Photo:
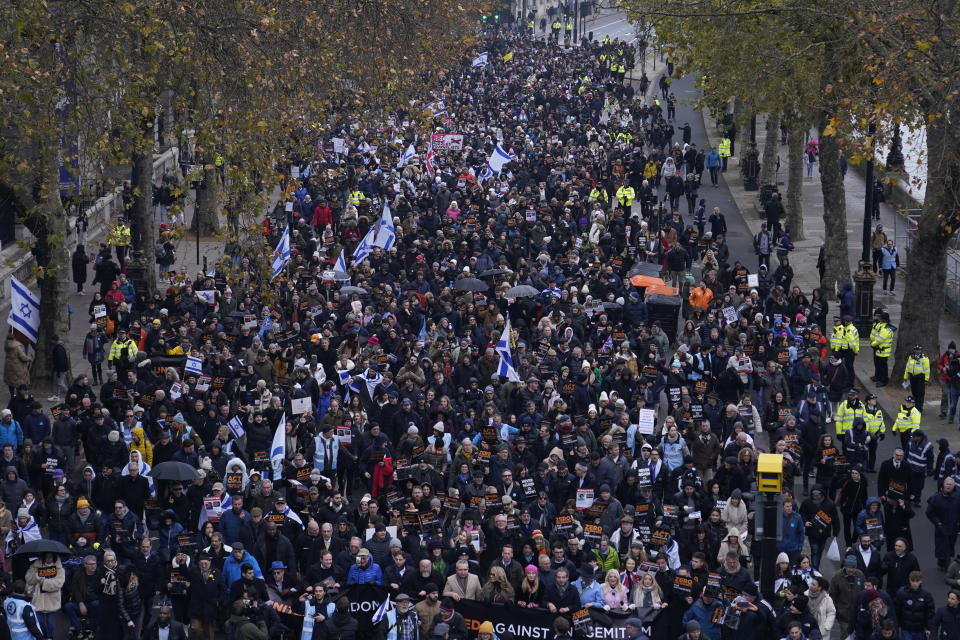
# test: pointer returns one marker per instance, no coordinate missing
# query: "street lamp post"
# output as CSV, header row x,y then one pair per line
x,y
864,278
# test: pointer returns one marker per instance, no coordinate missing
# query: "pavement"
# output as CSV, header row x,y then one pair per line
x,y
743,221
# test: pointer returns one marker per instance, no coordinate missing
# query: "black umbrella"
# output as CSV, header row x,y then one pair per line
x,y
494,272
522,291
357,290
470,284
172,470
42,546
612,305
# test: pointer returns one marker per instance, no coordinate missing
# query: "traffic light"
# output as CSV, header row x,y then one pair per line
x,y
496,17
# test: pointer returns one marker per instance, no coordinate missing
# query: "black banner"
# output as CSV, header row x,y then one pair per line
x,y
508,621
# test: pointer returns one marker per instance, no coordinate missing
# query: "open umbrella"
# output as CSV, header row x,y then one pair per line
x,y
42,546
348,290
335,274
522,291
173,470
470,284
641,280
494,272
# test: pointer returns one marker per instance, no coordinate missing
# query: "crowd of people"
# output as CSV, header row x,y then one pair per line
x,y
612,466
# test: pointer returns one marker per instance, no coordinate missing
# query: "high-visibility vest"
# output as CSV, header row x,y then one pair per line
x,y
724,148
569,27
556,25
908,420
845,416
881,339
598,194
838,338
355,197
917,367
852,337
874,420
530,25
15,609
625,195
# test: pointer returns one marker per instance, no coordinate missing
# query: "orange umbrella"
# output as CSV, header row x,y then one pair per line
x,y
663,289
640,280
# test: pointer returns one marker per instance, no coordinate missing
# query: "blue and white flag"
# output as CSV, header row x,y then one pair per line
x,y
365,248
278,449
381,611
236,426
194,364
485,174
422,336
506,368
407,155
281,254
498,159
293,515
209,296
267,326
480,60
24,310
341,264
372,382
386,232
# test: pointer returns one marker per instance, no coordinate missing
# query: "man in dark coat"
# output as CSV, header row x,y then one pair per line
x,y
943,510
897,565
561,596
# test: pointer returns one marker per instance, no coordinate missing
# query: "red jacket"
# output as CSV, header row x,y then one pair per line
x,y
322,216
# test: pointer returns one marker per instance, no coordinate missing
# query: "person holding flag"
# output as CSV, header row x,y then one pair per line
x,y
281,254
506,368
278,448
386,235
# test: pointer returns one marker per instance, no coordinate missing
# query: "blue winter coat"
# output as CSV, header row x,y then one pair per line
x,y
792,540
848,300
705,615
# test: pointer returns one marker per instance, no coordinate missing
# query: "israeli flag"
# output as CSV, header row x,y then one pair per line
x,y
506,368
293,515
208,295
407,155
341,264
498,159
485,174
365,248
24,310
278,449
480,60
381,611
422,336
281,254
386,232
236,426
372,382
194,364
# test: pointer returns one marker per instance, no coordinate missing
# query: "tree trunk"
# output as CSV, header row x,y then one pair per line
x,y
836,252
207,211
768,165
926,262
144,254
795,181
47,221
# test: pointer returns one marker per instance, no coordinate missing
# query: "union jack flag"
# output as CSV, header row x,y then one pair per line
x,y
431,160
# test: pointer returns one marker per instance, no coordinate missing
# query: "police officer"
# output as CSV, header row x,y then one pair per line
x,y
847,411
917,371
873,416
625,196
724,150
852,338
838,339
908,421
21,618
881,339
